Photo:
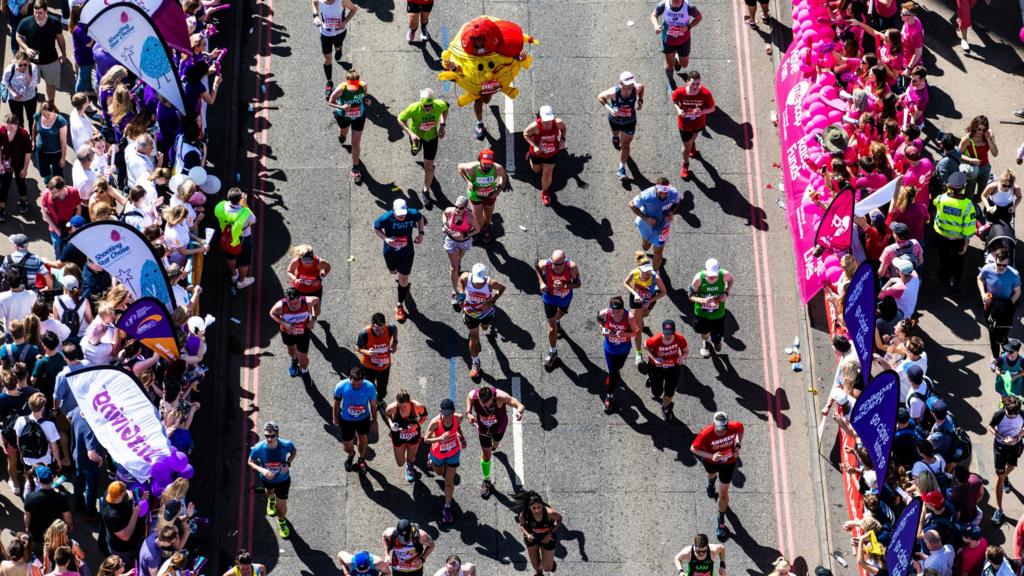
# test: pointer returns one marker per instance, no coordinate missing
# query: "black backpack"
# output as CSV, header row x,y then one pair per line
x,y
19,267
11,418
69,316
962,447
32,441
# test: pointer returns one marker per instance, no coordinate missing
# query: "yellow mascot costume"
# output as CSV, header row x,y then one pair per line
x,y
485,57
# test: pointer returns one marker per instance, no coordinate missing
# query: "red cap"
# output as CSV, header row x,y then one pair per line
x,y
487,154
933,499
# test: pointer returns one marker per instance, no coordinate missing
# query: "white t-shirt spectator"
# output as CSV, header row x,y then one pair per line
x,y
140,168
65,302
49,428
902,368
16,305
936,467
176,237
51,325
81,129
915,405
83,179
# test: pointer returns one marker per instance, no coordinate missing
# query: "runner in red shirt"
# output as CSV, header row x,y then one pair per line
x,y
546,137
666,353
718,446
693,103
306,271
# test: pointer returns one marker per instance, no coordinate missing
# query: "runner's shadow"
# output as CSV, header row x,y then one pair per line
x,y
761,555
380,114
509,331
440,337
517,482
720,122
730,199
591,378
636,177
487,541
316,561
382,9
751,396
339,357
433,61
685,209
519,272
571,536
398,501
569,167
581,224
385,193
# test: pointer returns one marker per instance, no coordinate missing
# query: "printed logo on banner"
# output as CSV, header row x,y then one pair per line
x,y
874,418
859,314
901,549
123,32
148,321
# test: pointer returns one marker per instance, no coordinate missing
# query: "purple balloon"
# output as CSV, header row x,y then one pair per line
x,y
178,461
188,472
160,468
143,508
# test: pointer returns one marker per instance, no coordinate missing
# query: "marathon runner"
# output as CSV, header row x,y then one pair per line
x,y
419,16
546,137
708,292
362,563
693,103
444,435
407,417
558,277
460,226
479,295
394,227
406,548
296,314
375,345
349,102
680,18
453,566
718,447
306,271
539,524
618,327
655,208
424,122
485,408
645,288
666,353
272,459
332,18
699,559
485,180
355,412
623,101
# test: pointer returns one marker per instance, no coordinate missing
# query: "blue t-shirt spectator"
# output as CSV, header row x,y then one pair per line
x,y
1000,284
355,402
273,459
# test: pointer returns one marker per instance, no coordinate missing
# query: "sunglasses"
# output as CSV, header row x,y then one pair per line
x,y
270,436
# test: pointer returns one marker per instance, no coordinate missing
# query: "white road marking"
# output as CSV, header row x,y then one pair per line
x,y
423,386
510,142
517,435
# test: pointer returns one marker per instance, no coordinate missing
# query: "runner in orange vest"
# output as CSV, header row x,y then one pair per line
x,y
375,345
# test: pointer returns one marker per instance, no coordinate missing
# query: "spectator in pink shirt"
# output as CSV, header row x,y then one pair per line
x,y
913,214
916,98
903,288
903,247
917,172
912,35
869,179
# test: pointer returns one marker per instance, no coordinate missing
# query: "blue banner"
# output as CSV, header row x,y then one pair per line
x,y
859,315
874,418
901,549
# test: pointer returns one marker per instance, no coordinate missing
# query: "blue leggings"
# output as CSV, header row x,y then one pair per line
x,y
614,362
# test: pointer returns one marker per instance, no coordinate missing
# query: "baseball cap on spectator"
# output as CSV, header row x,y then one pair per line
x,y
115,491
933,499
876,217
1012,345
903,265
400,207
69,282
902,415
899,229
972,532
43,473
76,222
915,374
172,509
939,409
447,407
840,396
19,240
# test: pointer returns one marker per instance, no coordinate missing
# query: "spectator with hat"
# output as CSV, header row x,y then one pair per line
x,y
940,517
120,523
905,439
941,434
1009,369
904,287
971,557
955,223
903,246
45,505
29,266
876,235
1000,289
921,392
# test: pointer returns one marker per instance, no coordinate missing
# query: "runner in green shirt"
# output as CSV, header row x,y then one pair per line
x,y
485,180
424,122
708,292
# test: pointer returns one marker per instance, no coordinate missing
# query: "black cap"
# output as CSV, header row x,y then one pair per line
x,y
172,509
1012,345
902,415
668,325
447,407
404,528
616,304
939,409
915,373
899,228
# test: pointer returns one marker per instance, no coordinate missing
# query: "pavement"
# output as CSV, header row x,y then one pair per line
x,y
631,493
985,81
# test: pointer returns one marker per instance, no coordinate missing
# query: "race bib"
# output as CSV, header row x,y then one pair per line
x,y
427,126
663,235
409,433
676,31
356,410
624,112
332,24
710,305
488,421
548,147
306,281
353,112
399,242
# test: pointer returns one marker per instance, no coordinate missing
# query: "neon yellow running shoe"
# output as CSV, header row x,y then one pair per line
x,y
271,506
282,528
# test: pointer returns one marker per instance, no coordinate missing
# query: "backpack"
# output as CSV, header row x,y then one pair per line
x,y
907,253
11,418
8,360
226,245
70,318
19,266
32,441
962,447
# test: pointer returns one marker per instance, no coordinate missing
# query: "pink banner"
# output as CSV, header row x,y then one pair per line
x,y
835,233
790,88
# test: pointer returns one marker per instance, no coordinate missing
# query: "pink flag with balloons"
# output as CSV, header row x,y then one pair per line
x,y
807,103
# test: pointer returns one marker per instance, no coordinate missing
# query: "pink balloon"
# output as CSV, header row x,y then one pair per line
x,y
829,92
816,109
830,261
1021,34
832,275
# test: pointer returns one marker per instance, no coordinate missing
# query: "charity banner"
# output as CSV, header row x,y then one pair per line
x,y
874,419
167,15
790,88
129,34
835,231
900,553
859,314
878,198
149,322
124,253
123,419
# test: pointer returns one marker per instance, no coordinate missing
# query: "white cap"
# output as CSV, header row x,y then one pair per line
x,y
547,113
198,175
647,267
69,282
839,396
426,94
711,267
400,207
196,325
627,78
479,272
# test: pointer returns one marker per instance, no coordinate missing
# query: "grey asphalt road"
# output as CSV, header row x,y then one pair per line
x,y
631,493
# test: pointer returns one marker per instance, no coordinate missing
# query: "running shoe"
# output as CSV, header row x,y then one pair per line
x,y
357,176
615,142
609,404
750,22
328,88
639,358
718,345
283,529
446,515
666,412
721,532
621,172
694,153
410,474
362,466
415,146
550,359
349,462
428,202
474,371
478,132
965,46
1007,488
307,379
997,517
424,35
271,506
337,56
545,198
455,299
710,491
765,18
485,490
342,136
293,368
246,282
410,35
677,64
1018,113
684,172
705,351
400,313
